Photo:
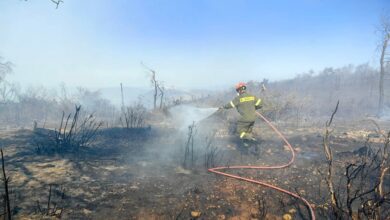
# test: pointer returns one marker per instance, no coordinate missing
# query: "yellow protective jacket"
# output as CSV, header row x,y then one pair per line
x,y
246,104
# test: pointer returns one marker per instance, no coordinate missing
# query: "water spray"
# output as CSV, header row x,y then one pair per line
x,y
186,114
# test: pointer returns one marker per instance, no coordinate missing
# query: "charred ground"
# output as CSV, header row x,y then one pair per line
x,y
133,174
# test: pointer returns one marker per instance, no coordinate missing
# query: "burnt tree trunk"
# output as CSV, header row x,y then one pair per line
x,y
382,76
154,81
7,206
161,88
123,100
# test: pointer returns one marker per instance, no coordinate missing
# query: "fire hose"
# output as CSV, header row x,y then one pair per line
x,y
219,170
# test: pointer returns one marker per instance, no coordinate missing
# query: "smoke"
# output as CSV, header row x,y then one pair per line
x,y
165,151
184,115
386,114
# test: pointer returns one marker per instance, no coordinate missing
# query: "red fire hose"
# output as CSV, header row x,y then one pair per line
x,y
219,170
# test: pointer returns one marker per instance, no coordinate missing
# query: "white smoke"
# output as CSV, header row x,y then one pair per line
x,y
386,114
184,115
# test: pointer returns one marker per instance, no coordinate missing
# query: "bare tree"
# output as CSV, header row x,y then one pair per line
x,y
7,205
154,84
189,146
329,176
385,32
123,101
133,116
5,68
159,88
7,90
356,191
57,3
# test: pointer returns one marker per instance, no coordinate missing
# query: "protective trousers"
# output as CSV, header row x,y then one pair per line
x,y
244,129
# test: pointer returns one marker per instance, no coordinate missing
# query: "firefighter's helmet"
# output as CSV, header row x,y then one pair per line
x,y
240,86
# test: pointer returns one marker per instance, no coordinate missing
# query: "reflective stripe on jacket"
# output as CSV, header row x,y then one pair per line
x,y
246,104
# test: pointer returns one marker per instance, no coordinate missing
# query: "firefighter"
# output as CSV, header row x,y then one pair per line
x,y
246,104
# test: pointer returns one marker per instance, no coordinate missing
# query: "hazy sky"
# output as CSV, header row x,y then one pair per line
x,y
190,43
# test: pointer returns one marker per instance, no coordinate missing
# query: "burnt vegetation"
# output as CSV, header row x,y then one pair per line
x,y
356,184
76,151
75,155
73,133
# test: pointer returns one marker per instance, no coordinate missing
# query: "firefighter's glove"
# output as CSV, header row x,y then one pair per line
x,y
258,107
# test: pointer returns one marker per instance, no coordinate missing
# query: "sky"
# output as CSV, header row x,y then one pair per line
x,y
189,43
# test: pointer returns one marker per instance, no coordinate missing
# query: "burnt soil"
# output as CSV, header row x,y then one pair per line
x,y
127,174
